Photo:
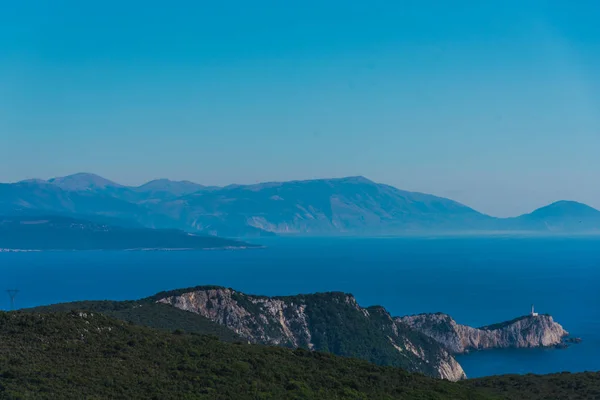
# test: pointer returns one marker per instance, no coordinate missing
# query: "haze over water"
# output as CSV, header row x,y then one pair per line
x,y
478,281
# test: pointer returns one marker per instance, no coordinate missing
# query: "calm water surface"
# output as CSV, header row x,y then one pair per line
x,y
478,281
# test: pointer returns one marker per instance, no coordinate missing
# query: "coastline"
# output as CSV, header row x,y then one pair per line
x,y
2,250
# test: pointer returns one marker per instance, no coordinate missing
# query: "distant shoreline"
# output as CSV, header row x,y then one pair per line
x,y
132,250
19,251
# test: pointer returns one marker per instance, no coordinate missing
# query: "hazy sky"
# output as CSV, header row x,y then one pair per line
x,y
496,106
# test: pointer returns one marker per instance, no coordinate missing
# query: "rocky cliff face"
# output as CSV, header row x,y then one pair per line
x,y
527,331
332,322
258,319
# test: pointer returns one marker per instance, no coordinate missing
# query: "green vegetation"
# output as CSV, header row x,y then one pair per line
x,y
340,327
151,314
504,324
77,355
336,326
441,325
564,386
179,292
86,355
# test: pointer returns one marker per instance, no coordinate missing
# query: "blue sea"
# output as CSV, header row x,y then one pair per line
x,y
478,281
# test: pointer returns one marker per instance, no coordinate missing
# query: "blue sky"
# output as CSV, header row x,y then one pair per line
x,y
494,104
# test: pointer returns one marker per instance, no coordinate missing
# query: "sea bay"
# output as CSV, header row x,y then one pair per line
x,y
477,280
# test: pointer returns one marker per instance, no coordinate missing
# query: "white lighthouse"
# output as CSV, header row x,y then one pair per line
x,y
533,313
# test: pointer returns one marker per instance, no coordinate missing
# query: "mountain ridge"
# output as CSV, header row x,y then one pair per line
x,y
177,188
339,206
83,181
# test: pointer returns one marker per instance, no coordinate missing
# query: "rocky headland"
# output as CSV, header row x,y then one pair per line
x,y
523,332
336,323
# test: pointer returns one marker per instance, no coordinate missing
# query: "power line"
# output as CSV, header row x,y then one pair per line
x,y
12,293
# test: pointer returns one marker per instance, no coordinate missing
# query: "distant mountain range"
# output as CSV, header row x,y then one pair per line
x,y
353,206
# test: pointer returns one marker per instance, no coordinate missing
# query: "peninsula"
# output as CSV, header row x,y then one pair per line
x,y
533,330
40,233
331,322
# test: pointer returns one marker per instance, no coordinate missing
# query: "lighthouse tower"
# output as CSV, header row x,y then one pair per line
x,y
533,313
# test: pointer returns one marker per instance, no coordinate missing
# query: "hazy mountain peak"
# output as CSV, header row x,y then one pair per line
x,y
330,181
178,188
562,216
345,179
566,207
34,181
354,179
83,181
165,181
568,203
